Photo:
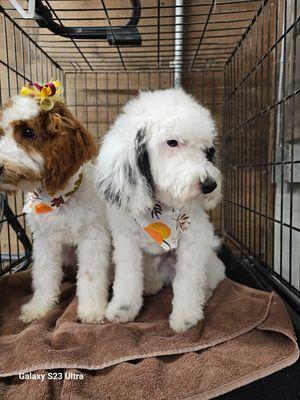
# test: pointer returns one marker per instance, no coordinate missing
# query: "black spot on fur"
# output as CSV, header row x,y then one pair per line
x,y
129,173
109,194
142,159
113,197
210,154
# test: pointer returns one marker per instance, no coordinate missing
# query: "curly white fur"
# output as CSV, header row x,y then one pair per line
x,y
80,222
136,167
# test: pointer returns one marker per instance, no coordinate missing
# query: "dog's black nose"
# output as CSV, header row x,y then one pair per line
x,y
1,169
208,185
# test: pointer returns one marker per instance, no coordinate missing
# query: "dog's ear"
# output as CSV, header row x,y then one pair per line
x,y
123,173
71,146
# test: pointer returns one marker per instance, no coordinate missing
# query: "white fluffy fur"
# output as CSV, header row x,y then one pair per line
x,y
80,222
177,175
22,108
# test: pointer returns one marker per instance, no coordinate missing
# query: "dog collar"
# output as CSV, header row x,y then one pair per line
x,y
164,225
41,202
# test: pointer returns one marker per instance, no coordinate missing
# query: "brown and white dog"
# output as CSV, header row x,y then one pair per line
x,y
49,153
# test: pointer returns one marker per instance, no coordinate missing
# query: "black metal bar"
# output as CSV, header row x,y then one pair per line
x,y
163,6
259,176
72,39
2,11
264,2
22,61
203,32
129,32
97,109
292,141
17,227
113,34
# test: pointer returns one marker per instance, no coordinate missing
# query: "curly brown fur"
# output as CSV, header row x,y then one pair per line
x,y
61,140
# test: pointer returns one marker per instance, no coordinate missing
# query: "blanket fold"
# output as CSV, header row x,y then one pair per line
x,y
246,335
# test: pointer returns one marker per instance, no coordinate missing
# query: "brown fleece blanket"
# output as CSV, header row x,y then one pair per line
x,y
246,335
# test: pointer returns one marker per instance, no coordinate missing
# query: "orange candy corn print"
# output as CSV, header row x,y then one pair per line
x,y
42,202
159,232
164,225
42,208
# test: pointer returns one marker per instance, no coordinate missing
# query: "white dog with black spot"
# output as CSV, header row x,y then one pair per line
x,y
157,173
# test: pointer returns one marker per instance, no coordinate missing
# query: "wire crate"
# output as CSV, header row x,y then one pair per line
x,y
239,58
261,145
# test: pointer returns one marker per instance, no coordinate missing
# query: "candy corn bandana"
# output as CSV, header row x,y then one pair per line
x,y
41,202
164,226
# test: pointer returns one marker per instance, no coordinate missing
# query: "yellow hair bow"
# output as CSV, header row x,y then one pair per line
x,y
47,94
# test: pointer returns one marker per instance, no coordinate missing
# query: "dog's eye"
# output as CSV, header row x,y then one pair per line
x,y
28,133
172,143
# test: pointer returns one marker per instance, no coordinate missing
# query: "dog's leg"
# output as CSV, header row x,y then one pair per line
x,y
153,280
215,274
92,279
128,285
190,282
46,275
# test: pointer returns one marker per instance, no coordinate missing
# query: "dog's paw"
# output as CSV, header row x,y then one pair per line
x,y
184,320
122,312
34,310
91,315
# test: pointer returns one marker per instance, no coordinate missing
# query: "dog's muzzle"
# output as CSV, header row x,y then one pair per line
x,y
208,185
